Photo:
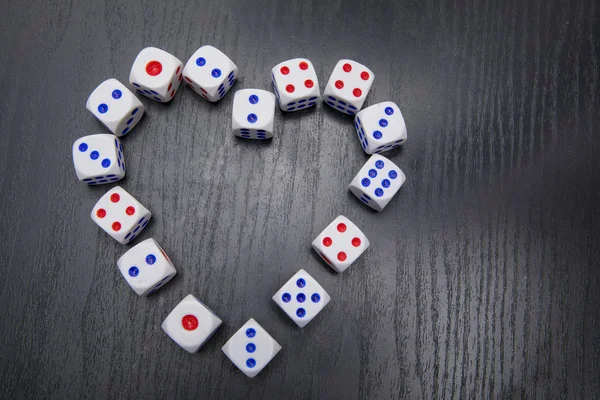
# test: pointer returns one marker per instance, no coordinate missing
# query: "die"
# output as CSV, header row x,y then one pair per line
x,y
296,84
380,127
302,298
191,324
98,159
340,244
210,73
253,114
115,106
377,182
251,348
156,74
146,267
120,215
348,86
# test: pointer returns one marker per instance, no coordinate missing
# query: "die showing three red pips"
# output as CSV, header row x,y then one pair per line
x,y
156,74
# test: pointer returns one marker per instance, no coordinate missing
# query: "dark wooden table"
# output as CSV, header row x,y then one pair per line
x,y
483,277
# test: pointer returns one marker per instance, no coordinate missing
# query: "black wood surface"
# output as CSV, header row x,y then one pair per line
x,y
482,280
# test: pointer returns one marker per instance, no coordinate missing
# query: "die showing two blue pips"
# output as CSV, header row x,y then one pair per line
x,y
210,73
115,106
253,114
146,267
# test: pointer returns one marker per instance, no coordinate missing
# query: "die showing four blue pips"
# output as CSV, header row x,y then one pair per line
x,y
156,74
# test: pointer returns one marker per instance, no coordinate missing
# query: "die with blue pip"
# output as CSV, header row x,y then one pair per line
x,y
210,73
146,267
377,182
253,114
301,298
251,348
380,127
99,159
115,106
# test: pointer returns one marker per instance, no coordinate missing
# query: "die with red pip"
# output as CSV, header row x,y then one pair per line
x,y
253,114
341,243
348,86
295,84
120,215
156,74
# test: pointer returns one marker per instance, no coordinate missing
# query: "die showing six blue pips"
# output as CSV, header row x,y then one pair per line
x,y
157,74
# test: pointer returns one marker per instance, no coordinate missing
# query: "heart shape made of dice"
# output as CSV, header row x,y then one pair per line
x,y
157,75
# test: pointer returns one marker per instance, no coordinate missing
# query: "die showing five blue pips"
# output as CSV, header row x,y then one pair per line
x,y
301,298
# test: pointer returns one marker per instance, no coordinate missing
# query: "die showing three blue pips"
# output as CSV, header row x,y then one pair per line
x,y
156,74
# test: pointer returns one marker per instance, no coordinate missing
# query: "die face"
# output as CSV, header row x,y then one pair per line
x,y
253,114
341,243
120,215
210,73
296,84
146,267
377,182
191,324
302,298
156,74
380,127
348,86
98,159
251,348
115,106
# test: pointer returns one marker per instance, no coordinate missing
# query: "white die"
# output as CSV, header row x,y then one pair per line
x,y
377,182
341,243
210,73
156,74
253,114
120,215
296,84
348,86
380,127
191,324
302,298
115,106
146,267
251,348
98,159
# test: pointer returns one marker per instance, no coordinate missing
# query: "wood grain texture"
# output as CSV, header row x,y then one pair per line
x,y
483,279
